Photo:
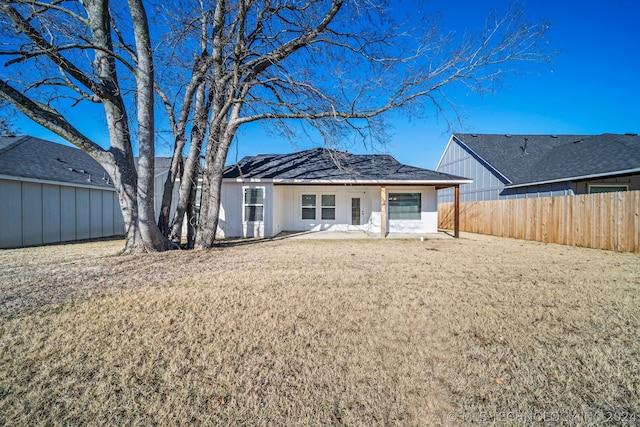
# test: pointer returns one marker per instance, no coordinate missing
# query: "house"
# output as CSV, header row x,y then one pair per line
x,y
322,189
53,193
524,166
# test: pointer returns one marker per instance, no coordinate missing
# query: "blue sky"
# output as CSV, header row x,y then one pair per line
x,y
591,87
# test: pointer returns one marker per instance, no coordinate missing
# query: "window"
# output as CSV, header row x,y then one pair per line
x,y
253,204
328,206
607,188
308,206
404,206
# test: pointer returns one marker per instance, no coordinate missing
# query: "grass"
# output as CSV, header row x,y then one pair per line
x,y
312,332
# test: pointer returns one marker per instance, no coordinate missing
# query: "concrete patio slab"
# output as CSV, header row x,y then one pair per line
x,y
334,235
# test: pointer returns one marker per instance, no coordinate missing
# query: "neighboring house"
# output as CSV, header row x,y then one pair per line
x,y
321,189
524,166
53,193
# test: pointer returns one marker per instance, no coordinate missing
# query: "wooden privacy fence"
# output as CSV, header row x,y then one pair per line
x,y
602,221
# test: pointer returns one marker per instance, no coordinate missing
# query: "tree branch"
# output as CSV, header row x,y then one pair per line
x,y
51,119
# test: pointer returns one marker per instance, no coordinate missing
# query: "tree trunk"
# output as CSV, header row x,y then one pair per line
x,y
211,191
151,236
189,179
176,170
192,218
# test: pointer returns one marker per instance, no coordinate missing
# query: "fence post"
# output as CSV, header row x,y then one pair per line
x,y
456,212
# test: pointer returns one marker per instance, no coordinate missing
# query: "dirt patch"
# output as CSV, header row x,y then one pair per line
x,y
357,332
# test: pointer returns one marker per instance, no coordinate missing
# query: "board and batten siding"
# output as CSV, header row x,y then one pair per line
x,y
458,160
488,184
36,213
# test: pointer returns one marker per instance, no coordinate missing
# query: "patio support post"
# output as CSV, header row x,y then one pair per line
x,y
456,212
383,211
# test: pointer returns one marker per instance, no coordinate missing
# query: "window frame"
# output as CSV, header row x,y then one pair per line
x,y
245,205
625,186
390,213
327,207
308,207
319,206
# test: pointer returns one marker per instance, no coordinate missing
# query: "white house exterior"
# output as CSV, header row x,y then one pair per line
x,y
320,189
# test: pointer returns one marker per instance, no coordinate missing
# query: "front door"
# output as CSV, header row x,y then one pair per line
x,y
357,213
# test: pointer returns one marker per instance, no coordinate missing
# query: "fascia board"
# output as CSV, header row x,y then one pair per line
x,y
50,182
350,182
461,142
575,178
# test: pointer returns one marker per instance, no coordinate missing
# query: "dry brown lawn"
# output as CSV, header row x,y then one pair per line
x,y
321,332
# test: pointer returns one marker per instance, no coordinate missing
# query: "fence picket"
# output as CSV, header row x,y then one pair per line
x,y
605,220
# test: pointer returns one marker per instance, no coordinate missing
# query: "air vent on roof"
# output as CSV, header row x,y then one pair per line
x,y
78,170
554,136
524,147
508,136
474,135
578,141
631,134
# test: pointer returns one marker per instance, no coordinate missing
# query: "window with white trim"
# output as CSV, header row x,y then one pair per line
x,y
609,188
404,206
308,206
328,206
254,204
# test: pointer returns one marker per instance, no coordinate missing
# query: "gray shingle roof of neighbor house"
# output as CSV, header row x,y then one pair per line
x,y
320,165
535,159
33,158
161,164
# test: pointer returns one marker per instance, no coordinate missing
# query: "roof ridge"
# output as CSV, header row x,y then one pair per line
x,y
19,141
540,158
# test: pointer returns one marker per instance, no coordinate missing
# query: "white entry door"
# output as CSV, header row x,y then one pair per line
x,y
356,217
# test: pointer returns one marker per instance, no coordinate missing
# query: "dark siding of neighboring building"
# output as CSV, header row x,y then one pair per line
x,y
632,181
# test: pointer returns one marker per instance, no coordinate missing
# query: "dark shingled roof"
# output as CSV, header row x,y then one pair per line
x,y
322,165
163,164
34,158
552,158
160,164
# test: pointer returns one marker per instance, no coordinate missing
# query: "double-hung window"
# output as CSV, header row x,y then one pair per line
x,y
253,204
328,206
404,206
308,206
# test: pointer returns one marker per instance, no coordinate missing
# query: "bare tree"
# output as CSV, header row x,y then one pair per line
x,y
7,127
62,54
337,66
186,121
